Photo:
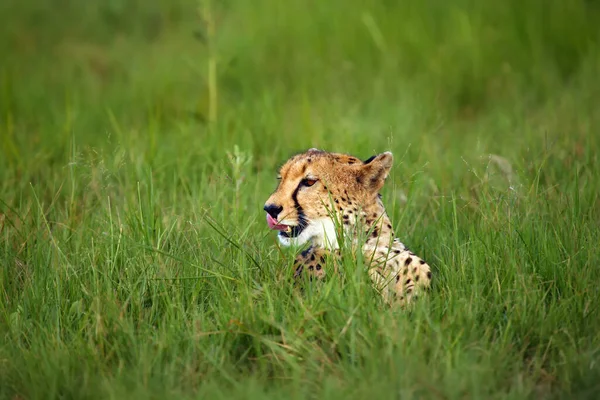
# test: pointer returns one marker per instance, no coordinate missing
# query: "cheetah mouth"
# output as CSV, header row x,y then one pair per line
x,y
286,231
292,231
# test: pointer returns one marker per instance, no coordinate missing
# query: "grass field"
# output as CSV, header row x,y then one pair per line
x,y
140,139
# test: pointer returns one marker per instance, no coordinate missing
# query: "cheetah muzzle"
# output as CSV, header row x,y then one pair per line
x,y
318,191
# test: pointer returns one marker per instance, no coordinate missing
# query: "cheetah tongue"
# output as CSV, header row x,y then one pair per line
x,y
272,222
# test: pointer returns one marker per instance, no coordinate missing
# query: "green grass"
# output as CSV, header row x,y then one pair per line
x,y
135,259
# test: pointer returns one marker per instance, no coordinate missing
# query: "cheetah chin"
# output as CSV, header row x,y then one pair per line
x,y
320,232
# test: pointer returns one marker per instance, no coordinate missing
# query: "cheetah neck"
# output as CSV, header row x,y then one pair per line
x,y
372,221
380,231
370,225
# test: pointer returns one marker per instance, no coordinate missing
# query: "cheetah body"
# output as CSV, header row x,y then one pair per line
x,y
319,192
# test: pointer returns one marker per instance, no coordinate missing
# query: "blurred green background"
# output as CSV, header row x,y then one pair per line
x,y
140,139
334,74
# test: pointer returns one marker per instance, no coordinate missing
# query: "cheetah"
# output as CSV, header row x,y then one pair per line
x,y
318,192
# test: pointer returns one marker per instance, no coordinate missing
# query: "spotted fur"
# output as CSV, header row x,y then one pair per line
x,y
317,187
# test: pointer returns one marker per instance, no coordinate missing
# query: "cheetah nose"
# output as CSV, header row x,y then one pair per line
x,y
273,210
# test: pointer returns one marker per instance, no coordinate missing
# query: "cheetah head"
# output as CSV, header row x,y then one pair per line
x,y
315,183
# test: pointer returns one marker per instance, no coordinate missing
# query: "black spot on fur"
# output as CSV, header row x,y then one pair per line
x,y
312,257
429,274
397,278
417,278
397,251
310,267
305,252
407,281
375,233
422,262
319,267
359,180
407,261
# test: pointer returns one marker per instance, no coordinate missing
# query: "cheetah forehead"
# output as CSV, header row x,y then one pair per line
x,y
317,161
337,172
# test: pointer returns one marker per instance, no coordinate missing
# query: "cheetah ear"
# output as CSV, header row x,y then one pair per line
x,y
375,170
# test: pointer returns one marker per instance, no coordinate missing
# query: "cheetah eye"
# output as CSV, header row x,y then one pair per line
x,y
308,182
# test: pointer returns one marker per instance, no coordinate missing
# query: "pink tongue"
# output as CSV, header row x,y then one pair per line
x,y
272,222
